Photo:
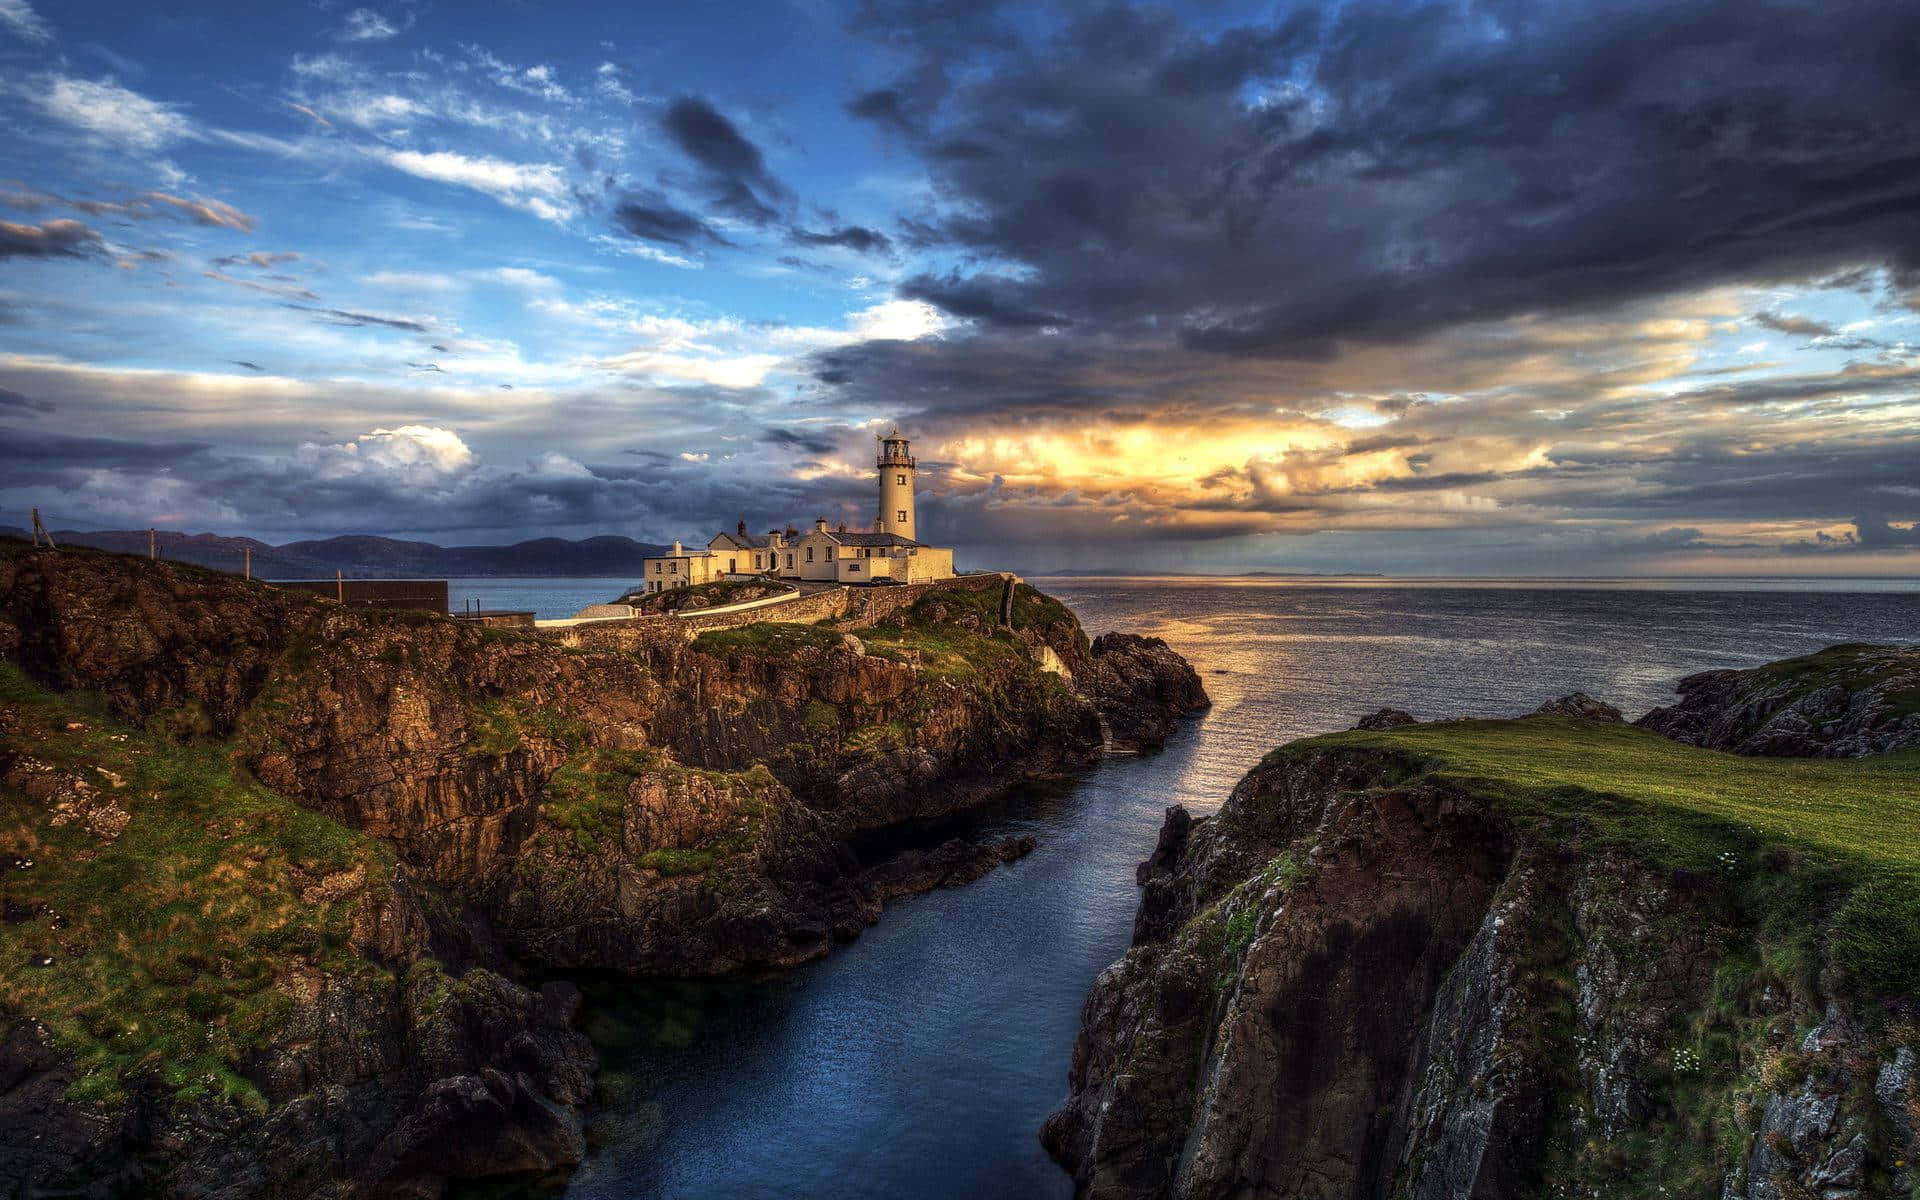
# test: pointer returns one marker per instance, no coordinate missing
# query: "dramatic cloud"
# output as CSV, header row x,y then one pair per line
x,y
1374,172
419,455
847,237
790,440
653,219
13,400
1799,326
50,239
737,178
1391,287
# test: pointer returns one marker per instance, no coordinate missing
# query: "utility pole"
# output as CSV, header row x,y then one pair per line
x,y
339,586
151,553
248,551
40,531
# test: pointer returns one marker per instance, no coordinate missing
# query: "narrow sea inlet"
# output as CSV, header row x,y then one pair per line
x,y
922,1059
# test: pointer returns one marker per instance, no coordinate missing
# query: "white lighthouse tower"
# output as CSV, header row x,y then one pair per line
x,y
896,487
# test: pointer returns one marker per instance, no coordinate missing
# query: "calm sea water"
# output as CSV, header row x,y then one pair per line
x,y
921,1060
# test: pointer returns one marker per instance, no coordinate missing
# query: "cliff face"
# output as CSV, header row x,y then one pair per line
x,y
204,979
494,801
1472,960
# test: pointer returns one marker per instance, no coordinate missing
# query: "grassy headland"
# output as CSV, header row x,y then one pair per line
x,y
156,910
1810,835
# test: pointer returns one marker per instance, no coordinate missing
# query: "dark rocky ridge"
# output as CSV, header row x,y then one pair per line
x,y
1844,702
1358,979
675,806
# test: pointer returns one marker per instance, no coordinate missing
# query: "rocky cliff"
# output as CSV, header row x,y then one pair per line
x,y
285,862
1844,702
1550,956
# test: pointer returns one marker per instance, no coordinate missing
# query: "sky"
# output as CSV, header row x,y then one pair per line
x,y
1607,288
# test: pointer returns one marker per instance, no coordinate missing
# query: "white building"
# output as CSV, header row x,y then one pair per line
x,y
889,552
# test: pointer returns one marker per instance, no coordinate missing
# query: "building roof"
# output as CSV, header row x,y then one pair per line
x,y
746,541
871,539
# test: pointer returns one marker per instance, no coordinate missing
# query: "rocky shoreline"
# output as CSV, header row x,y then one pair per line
x,y
403,815
1462,960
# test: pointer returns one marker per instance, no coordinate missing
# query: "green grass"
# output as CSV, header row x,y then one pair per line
x,y
587,795
167,942
495,729
678,862
1855,665
1864,810
1849,829
765,637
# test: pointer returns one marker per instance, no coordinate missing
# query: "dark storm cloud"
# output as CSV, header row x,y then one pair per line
x,y
651,218
789,439
50,239
848,237
1876,530
989,301
662,498
10,399
1372,172
883,106
736,175
34,455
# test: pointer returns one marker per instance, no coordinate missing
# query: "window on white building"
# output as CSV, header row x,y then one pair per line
x,y
809,553
900,479
901,516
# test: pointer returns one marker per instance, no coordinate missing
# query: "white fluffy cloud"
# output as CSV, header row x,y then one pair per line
x,y
411,455
538,188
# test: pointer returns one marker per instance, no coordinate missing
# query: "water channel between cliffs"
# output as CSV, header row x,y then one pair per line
x,y
921,1059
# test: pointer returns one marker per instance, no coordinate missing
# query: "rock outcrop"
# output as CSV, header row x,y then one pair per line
x,y
1580,706
1369,976
651,802
1844,702
1386,718
1141,685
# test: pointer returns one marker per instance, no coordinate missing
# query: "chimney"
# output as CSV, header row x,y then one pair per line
x,y
676,548
743,528
820,524
843,527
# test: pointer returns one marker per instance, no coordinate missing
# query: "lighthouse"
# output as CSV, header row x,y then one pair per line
x,y
889,553
896,487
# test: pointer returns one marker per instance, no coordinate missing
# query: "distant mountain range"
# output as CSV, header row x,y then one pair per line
x,y
366,557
